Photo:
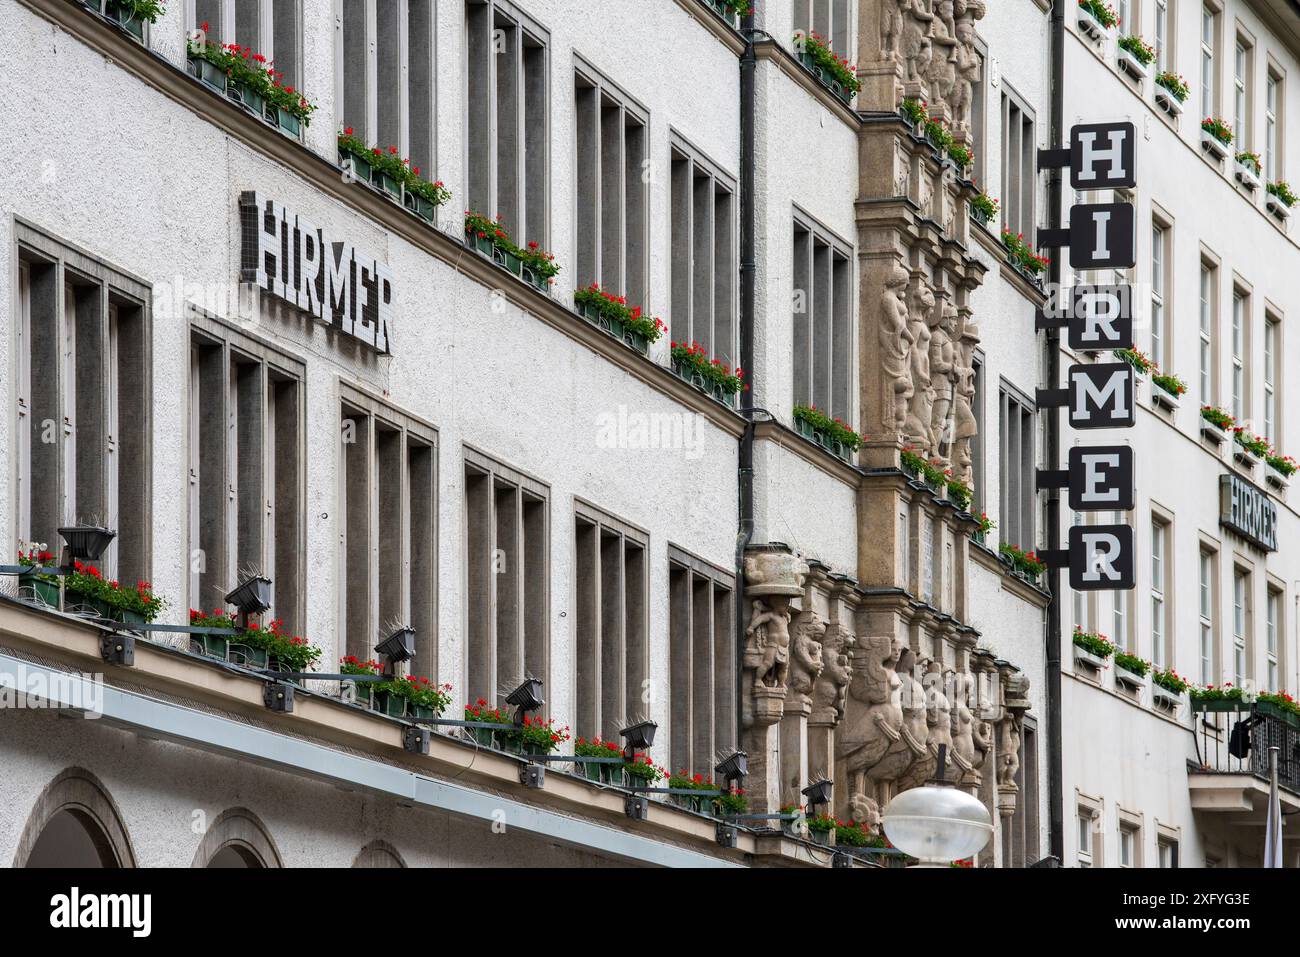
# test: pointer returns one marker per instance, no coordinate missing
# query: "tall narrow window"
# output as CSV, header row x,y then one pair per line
x,y
387,510
1207,327
702,663
1019,169
1160,637
508,133
84,445
1208,582
1159,264
507,538
826,18
384,75
1273,128
1241,125
1080,598
1241,625
1272,376
822,321
611,613
1240,344
1273,638
272,28
1163,59
613,190
1019,498
1209,88
246,476
702,253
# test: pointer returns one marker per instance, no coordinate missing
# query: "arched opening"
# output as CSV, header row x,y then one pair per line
x,y
74,823
378,854
72,838
233,855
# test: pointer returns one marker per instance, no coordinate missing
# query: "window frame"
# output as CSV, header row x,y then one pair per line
x,y
837,397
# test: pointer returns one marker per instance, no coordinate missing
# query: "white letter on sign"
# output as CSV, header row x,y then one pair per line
x,y
1102,549
1093,477
1114,391
1101,221
1099,311
1113,156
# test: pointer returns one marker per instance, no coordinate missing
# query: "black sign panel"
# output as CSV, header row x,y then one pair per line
x,y
1103,156
1102,236
1101,396
1247,510
1101,478
1102,558
1099,318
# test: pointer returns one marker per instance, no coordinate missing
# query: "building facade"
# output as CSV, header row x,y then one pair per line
x,y
247,350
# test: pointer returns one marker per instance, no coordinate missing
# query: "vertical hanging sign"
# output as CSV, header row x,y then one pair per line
x,y
1101,156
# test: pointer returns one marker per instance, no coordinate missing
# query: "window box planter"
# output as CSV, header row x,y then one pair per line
x,y
126,18
1091,662
358,166
822,439
1271,709
1089,25
40,589
387,184
1131,65
1165,699
422,206
618,330
288,123
208,73
1276,479
393,705
710,388
1129,679
825,78
248,656
1276,207
724,11
247,97
1164,398
979,216
1214,146
211,646
1246,175
1167,101
1219,704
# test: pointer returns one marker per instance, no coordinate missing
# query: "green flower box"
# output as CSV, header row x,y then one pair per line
x,y
979,216
288,123
422,206
358,166
1220,704
710,388
390,704
480,244
360,693
386,184
823,439
614,327
1272,710
593,772
248,656
46,591
211,646
249,98
533,278
209,74
725,12
612,774
483,737
126,19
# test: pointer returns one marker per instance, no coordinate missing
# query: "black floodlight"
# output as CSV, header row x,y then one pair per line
x,y
415,739
636,807
399,646
87,542
532,776
117,649
734,767
278,696
727,835
252,596
527,697
640,736
818,793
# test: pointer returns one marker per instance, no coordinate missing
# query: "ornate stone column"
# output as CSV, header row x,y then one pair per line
x,y
773,577
830,693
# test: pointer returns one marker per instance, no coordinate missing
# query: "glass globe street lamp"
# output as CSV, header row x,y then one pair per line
x,y
937,823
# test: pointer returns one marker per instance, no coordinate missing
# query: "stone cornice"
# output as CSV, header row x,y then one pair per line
x,y
325,177
793,442
773,52
710,20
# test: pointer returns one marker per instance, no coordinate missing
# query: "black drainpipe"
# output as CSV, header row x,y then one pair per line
x,y
1055,778
748,266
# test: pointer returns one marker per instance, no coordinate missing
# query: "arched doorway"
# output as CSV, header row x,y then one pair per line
x,y
74,824
235,855
237,838
378,854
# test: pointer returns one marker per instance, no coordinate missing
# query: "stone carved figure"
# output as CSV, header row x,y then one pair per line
x,y
914,732
965,753
943,355
916,39
831,690
921,404
965,427
968,63
982,734
768,636
869,731
891,28
865,812
895,349
938,726
943,52
1008,753
806,653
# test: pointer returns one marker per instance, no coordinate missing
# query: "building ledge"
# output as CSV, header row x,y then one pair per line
x,y
1240,793
775,53
327,179
989,559
791,441
710,20
212,706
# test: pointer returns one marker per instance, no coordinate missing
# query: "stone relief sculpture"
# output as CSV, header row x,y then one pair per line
x,y
938,726
865,812
806,653
943,355
830,693
965,427
891,27
1009,753
768,639
968,66
943,47
895,348
921,404
916,38
870,731
933,43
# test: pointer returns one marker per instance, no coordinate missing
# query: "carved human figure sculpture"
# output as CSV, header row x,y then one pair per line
x,y
806,653
921,404
768,637
916,39
943,355
896,341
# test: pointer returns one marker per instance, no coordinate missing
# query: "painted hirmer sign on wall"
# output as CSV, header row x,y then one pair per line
x,y
1248,511
291,259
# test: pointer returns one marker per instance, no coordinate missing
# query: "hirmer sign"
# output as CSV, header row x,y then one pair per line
x,y
288,257
1248,511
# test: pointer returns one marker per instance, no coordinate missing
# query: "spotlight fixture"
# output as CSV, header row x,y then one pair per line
x,y
734,767
527,697
278,696
252,596
818,793
117,649
87,542
399,646
640,736
727,835
532,776
636,807
415,739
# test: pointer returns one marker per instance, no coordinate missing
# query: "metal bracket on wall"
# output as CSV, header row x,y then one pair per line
x,y
117,649
278,696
